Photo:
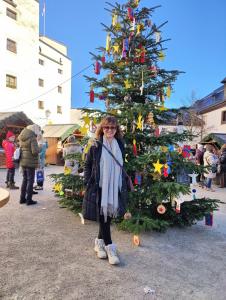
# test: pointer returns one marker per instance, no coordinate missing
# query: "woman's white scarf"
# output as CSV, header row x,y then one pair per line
x,y
110,178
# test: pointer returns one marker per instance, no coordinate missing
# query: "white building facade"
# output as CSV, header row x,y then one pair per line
x,y
35,71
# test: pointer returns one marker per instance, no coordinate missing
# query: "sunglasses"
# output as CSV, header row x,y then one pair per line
x,y
109,127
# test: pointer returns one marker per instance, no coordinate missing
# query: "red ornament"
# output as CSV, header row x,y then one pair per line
x,y
157,132
130,14
97,68
165,172
161,209
177,209
135,149
153,70
91,96
142,55
103,60
186,151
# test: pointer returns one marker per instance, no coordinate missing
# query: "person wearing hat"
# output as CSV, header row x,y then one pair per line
x,y
9,148
71,147
29,161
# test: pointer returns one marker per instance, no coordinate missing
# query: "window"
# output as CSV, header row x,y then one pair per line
x,y
40,104
11,81
41,82
11,45
60,71
59,89
223,117
10,13
41,62
59,109
10,2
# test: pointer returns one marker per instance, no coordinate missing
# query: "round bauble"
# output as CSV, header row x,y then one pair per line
x,y
127,216
161,209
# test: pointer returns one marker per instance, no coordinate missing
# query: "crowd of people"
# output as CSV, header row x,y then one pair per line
x,y
32,150
214,161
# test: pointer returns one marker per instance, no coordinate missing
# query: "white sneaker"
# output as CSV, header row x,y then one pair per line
x,y
100,248
112,254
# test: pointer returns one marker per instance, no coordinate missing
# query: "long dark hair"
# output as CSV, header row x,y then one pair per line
x,y
109,120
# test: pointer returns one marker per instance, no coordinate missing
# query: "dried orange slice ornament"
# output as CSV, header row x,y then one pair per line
x,y
136,240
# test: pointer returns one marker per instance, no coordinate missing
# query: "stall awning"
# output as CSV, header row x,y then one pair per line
x,y
61,131
215,138
14,120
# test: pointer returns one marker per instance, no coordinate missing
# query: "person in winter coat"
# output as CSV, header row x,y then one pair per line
x,y
211,161
42,155
9,148
199,159
106,187
28,161
222,161
71,147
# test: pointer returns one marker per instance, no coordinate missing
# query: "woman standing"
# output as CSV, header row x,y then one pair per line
x,y
106,188
210,160
223,166
28,161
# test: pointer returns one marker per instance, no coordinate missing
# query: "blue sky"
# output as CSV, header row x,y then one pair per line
x,y
197,29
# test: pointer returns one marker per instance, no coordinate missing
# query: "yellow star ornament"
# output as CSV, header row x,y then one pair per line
x,y
86,120
84,130
139,122
128,85
158,166
116,48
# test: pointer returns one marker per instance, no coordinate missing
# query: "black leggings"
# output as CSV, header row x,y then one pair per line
x,y
105,230
104,227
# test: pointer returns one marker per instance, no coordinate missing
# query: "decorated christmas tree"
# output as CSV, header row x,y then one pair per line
x,y
129,79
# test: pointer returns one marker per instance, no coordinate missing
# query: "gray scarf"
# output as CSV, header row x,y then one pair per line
x,y
110,178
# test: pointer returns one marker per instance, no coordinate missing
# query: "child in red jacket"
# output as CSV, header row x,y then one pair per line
x,y
9,148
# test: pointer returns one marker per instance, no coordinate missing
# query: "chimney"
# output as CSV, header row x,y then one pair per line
x,y
224,82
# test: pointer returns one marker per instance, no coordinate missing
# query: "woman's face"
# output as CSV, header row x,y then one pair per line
x,y
109,130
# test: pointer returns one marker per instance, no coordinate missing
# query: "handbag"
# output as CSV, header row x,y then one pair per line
x,y
17,154
128,178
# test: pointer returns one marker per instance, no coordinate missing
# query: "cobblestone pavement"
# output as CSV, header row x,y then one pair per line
x,y
45,253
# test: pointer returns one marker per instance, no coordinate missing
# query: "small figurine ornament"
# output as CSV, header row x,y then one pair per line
x,y
193,177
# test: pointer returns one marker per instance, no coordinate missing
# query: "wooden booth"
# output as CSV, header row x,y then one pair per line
x,y
56,135
15,122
